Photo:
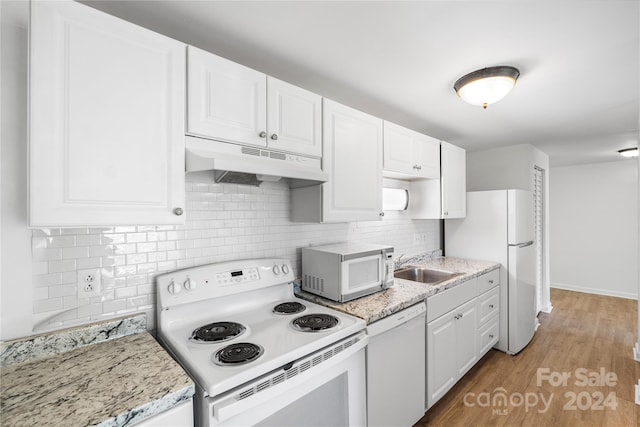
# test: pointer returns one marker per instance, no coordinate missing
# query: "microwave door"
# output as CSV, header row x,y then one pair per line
x,y
361,275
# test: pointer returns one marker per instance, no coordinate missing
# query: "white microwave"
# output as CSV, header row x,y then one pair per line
x,y
345,271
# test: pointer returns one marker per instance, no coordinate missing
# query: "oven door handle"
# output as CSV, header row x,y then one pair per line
x,y
278,396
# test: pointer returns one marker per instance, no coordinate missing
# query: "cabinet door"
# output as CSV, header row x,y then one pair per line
x,y
352,156
454,186
442,371
226,101
427,151
409,154
467,337
106,120
294,119
398,149
178,416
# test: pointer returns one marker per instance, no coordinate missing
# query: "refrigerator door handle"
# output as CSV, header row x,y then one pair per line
x,y
522,245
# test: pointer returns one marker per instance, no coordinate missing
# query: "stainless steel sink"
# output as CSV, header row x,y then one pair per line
x,y
424,275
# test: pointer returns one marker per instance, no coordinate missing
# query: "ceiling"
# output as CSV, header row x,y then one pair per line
x,y
576,99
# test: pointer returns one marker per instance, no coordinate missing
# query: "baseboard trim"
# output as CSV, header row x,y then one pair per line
x,y
638,393
547,308
605,292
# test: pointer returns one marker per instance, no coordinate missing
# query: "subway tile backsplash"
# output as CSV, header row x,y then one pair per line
x,y
224,222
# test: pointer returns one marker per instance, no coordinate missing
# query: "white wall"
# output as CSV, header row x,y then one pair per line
x,y
224,222
503,168
594,228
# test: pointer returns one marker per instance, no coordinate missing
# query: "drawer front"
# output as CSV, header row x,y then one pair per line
x,y
488,305
488,336
488,280
447,300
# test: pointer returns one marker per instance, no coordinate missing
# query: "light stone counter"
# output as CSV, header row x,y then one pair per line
x,y
405,293
115,382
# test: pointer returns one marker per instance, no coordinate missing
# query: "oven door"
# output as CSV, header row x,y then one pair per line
x,y
327,388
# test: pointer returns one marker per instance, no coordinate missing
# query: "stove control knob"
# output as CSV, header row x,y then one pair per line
x,y
174,288
190,284
276,270
285,268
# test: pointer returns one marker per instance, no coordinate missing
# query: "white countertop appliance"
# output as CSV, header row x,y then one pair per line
x,y
499,227
345,271
258,354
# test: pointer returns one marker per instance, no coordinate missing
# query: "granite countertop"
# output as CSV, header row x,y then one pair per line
x,y
115,375
405,293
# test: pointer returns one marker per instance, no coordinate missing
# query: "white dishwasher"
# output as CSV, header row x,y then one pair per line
x,y
396,368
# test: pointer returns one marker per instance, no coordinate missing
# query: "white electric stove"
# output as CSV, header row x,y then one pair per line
x,y
258,354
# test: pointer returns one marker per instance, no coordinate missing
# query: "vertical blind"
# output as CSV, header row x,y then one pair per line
x,y
538,203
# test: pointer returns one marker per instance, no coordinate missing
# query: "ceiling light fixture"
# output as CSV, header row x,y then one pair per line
x,y
629,152
486,86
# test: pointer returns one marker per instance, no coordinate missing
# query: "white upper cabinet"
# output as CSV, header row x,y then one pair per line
x,y
233,103
454,181
294,118
409,154
444,198
352,156
226,101
106,120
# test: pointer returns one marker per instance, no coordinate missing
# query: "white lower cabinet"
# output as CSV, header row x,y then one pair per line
x,y
178,416
451,349
462,326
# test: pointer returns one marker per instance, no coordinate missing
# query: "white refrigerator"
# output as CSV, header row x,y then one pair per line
x,y
499,227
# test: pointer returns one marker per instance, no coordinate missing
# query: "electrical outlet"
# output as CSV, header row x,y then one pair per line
x,y
420,238
89,283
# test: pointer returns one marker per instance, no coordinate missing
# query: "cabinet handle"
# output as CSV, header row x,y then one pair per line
x,y
262,134
490,305
419,167
178,211
446,213
490,336
491,282
381,213
274,137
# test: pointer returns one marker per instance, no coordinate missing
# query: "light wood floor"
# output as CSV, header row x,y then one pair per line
x,y
583,331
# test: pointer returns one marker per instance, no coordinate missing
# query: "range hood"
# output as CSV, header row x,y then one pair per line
x,y
249,165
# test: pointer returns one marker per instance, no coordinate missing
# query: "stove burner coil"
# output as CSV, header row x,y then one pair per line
x,y
237,354
315,322
217,332
290,307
